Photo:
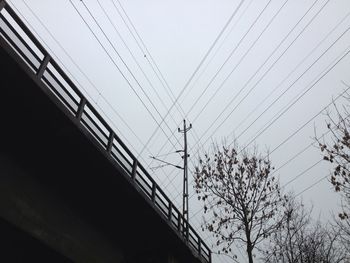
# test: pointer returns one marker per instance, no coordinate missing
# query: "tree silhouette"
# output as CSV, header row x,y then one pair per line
x,y
336,151
303,240
243,199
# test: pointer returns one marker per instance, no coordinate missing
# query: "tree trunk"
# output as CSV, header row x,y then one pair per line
x,y
250,251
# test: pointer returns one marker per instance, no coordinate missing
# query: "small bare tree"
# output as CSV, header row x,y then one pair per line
x,y
336,151
244,200
303,240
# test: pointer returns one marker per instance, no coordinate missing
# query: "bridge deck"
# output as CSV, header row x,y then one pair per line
x,y
60,139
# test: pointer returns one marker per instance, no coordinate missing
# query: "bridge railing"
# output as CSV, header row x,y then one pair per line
x,y
16,34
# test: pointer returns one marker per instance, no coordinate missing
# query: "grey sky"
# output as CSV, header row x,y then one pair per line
x,y
178,34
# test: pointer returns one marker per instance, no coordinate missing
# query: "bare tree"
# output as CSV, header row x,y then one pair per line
x,y
241,196
336,151
302,240
342,226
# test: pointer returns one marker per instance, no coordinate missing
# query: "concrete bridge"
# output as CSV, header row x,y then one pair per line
x,y
70,190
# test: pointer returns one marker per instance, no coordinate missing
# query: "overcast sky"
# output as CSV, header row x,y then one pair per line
x,y
277,64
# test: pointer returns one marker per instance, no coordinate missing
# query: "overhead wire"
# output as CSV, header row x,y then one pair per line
x,y
79,69
261,66
300,152
140,68
293,158
241,40
147,54
290,74
302,173
143,48
150,61
149,99
313,165
265,74
292,84
312,185
199,65
289,137
321,76
307,122
239,63
118,68
218,49
133,56
145,145
77,66
234,50
84,74
308,10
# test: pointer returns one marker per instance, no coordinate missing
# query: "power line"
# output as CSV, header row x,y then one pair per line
x,y
292,158
266,72
251,26
119,70
323,53
151,62
298,130
85,75
282,41
232,52
306,123
113,46
89,80
237,64
297,99
218,49
300,152
290,31
302,173
137,63
290,73
147,54
312,185
199,65
132,55
145,145
78,67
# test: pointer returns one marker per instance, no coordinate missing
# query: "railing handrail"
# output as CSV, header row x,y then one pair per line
x,y
78,109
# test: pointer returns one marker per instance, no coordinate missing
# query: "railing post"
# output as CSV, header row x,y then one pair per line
x,y
110,142
209,256
134,168
199,247
186,229
43,66
2,4
170,213
81,108
153,192
179,222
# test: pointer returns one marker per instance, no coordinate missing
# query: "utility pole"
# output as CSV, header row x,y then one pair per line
x,y
185,214
185,179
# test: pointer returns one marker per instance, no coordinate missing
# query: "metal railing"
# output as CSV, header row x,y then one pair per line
x,y
43,66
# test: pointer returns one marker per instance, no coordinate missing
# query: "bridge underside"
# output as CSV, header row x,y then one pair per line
x,y
60,189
